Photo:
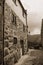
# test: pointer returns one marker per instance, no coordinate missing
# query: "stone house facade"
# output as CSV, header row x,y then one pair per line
x,y
42,33
13,27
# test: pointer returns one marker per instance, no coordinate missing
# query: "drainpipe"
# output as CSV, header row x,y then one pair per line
x,y
27,30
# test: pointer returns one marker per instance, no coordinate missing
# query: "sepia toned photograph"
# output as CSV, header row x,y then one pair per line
x,y
21,32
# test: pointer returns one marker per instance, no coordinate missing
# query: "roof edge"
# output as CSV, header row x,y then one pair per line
x,y
22,7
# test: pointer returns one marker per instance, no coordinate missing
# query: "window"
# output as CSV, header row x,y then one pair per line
x,y
23,27
14,1
15,40
14,20
21,42
27,28
23,13
0,4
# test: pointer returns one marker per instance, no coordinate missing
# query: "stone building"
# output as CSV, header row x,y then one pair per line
x,y
13,26
42,33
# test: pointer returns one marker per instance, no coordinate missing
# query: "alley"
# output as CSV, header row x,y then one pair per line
x,y
26,60
31,58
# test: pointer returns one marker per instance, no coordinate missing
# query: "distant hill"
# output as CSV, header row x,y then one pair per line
x,y
34,38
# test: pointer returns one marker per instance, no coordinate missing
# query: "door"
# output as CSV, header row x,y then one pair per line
x,y
22,47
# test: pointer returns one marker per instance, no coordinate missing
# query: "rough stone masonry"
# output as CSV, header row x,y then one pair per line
x,y
12,35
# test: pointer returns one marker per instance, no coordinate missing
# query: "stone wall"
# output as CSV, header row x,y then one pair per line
x,y
1,31
11,31
8,31
42,33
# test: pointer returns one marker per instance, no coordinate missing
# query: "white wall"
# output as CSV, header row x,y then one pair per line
x,y
17,9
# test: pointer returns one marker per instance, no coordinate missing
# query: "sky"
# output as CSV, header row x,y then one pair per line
x,y
35,15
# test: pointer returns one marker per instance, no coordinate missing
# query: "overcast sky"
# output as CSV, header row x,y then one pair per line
x,y
35,14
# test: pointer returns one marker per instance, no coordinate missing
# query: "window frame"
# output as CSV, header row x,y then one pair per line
x,y
14,40
23,13
14,19
15,2
23,27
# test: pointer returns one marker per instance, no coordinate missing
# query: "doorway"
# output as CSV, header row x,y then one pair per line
x,y
22,47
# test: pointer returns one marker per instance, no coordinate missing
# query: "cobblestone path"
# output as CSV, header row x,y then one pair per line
x,y
28,61
32,58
